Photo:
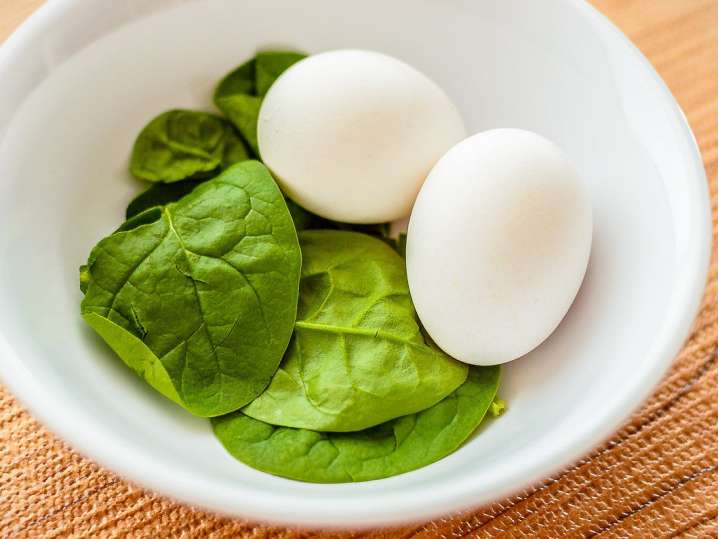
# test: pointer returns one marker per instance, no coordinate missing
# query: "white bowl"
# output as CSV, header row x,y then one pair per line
x,y
81,78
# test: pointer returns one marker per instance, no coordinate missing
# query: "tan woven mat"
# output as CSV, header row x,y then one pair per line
x,y
657,477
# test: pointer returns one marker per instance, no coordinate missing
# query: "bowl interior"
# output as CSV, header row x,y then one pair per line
x,y
558,69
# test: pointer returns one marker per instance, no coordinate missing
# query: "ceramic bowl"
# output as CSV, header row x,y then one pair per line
x,y
81,78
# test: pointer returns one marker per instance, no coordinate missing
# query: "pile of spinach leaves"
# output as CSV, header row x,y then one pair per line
x,y
358,357
294,333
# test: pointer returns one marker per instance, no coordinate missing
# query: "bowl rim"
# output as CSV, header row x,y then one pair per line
x,y
464,494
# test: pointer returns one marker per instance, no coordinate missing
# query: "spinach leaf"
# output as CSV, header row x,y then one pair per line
x,y
397,243
270,65
400,244
185,144
303,218
243,111
159,194
306,220
392,448
84,278
241,80
239,94
199,297
357,357
378,230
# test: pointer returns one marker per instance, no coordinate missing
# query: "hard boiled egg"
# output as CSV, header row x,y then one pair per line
x,y
351,134
498,245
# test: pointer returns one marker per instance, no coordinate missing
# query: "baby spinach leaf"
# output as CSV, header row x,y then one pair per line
x,y
397,243
241,80
135,353
235,150
200,296
306,220
392,448
243,112
378,230
239,94
159,194
270,65
357,357
185,144
303,219
84,278
400,244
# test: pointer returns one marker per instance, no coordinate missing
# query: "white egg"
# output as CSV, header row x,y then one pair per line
x,y
498,245
351,135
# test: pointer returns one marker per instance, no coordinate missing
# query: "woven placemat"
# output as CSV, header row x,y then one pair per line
x,y
657,477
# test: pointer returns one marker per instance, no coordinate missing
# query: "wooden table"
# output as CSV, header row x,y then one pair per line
x,y
657,477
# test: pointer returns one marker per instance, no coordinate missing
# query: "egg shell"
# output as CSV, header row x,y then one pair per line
x,y
498,245
351,134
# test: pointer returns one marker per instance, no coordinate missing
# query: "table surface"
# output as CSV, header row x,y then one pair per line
x,y
657,477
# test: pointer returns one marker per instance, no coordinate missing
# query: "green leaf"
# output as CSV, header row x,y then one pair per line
x,y
159,194
208,284
235,151
357,357
184,144
135,353
392,448
143,218
239,81
302,218
306,220
239,94
243,111
378,230
270,65
84,278
400,244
